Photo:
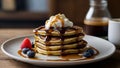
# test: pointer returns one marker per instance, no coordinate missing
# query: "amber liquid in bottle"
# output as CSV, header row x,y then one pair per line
x,y
96,20
96,27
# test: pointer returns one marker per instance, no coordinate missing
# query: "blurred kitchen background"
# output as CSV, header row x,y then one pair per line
x,y
33,13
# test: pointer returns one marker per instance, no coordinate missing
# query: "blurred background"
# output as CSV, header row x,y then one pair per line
x,y
33,13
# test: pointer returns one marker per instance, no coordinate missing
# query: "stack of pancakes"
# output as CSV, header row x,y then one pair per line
x,y
62,41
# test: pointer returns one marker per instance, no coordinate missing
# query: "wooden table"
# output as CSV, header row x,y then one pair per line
x,y
7,62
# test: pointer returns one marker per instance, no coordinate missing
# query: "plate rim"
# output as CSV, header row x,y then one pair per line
x,y
28,60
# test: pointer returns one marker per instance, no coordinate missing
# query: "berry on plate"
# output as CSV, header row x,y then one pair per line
x,y
26,43
90,51
31,54
25,50
87,54
32,45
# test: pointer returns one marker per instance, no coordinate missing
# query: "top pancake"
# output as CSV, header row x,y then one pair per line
x,y
68,31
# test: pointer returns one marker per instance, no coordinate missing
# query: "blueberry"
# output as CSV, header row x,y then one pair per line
x,y
25,50
31,54
32,45
87,54
91,51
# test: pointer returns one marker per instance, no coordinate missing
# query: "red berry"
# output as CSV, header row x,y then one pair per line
x,y
26,44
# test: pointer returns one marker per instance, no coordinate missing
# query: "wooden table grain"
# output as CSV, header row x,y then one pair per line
x,y
7,62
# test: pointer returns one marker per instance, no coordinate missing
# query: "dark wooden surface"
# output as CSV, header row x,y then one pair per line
x,y
7,62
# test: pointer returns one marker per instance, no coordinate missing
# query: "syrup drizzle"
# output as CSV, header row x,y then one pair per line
x,y
62,32
57,17
48,37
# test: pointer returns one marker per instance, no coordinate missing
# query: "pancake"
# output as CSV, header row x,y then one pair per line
x,y
81,44
65,52
57,41
59,52
69,31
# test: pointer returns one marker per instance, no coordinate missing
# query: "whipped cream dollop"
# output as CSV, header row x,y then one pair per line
x,y
58,21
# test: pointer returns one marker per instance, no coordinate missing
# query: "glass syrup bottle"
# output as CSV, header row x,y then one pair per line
x,y
96,20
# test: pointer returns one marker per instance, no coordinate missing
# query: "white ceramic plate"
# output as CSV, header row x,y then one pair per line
x,y
106,49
